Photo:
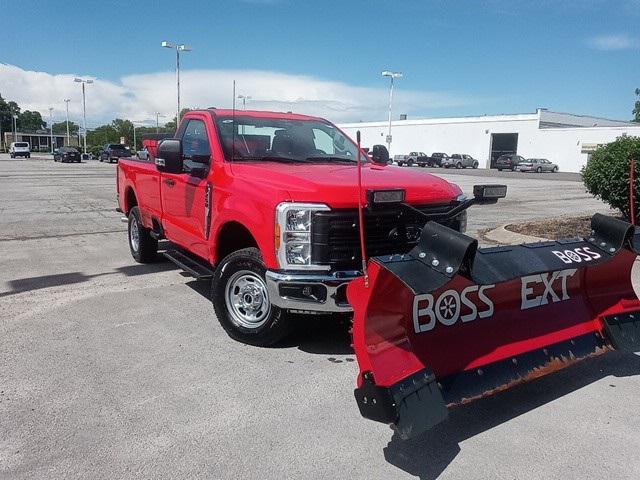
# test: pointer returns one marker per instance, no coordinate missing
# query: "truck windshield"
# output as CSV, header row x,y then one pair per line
x,y
246,138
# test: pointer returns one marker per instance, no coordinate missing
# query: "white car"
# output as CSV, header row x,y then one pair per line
x,y
20,149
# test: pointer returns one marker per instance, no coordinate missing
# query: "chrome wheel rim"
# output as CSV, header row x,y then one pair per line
x,y
134,234
247,300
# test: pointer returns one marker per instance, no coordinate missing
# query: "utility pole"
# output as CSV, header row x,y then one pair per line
x,y
67,100
15,128
157,122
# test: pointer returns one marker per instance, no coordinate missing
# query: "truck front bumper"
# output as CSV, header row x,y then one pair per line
x,y
310,292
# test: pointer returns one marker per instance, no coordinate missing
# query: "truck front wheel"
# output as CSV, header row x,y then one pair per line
x,y
241,300
142,245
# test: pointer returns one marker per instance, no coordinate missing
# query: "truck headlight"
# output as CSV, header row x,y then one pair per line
x,y
293,231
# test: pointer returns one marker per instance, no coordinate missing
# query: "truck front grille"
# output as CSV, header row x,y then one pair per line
x,y
336,242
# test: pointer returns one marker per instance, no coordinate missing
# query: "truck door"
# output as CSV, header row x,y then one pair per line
x,y
186,197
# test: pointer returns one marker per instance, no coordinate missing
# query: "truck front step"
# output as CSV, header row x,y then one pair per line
x,y
196,268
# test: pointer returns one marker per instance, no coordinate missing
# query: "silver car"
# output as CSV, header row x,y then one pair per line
x,y
460,160
538,165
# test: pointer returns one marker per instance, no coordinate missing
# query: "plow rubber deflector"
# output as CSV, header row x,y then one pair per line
x,y
448,322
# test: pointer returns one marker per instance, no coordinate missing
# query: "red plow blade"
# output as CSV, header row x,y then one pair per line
x,y
448,323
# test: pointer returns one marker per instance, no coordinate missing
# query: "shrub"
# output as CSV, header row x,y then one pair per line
x,y
606,175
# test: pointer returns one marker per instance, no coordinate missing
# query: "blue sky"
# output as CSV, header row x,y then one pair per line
x,y
458,57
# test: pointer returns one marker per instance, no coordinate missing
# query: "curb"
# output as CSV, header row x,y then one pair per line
x,y
505,237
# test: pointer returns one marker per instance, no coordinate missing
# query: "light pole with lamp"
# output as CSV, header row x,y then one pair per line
x,y
244,99
178,48
51,128
391,75
66,101
15,128
158,115
84,109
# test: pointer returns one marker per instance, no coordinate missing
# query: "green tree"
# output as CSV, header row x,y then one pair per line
x,y
61,128
171,126
102,135
124,128
29,121
636,108
606,175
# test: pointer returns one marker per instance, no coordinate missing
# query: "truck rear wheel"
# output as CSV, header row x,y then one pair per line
x,y
241,300
143,246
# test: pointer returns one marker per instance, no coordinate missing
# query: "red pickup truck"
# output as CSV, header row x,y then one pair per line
x,y
264,205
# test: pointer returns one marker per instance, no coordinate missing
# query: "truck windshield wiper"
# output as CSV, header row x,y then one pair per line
x,y
331,158
269,158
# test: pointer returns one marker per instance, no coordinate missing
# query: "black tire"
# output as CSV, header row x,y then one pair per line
x,y
499,169
410,163
29,156
146,249
539,170
555,170
12,155
101,159
277,323
475,164
421,165
458,165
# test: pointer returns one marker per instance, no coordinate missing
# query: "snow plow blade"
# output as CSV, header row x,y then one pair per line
x,y
449,322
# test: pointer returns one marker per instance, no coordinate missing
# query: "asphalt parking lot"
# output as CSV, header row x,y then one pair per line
x,y
111,369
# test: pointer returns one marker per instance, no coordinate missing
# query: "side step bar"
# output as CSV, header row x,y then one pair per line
x,y
195,268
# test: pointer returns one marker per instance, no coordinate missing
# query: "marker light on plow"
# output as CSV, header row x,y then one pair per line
x,y
449,322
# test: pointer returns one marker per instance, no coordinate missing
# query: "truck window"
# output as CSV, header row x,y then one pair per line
x,y
195,145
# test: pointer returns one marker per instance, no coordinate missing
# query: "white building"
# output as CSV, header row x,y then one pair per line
x,y
562,138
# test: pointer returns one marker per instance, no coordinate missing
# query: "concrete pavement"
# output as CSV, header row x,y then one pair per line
x,y
110,369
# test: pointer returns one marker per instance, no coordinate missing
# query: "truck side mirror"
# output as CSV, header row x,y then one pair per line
x,y
169,158
380,154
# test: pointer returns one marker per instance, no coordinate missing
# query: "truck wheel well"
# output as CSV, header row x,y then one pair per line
x,y
130,200
232,237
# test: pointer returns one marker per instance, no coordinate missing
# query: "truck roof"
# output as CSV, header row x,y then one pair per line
x,y
220,112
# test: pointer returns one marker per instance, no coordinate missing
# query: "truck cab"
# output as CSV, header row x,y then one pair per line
x,y
265,206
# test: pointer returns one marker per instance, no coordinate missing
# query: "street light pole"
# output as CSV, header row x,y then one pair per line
x,y
391,76
244,99
15,128
157,121
179,48
84,109
66,101
51,127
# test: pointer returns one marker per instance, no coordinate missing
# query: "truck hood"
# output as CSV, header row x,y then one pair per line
x,y
336,185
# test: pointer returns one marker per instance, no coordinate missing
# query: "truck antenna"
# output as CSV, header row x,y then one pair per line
x,y
233,124
361,223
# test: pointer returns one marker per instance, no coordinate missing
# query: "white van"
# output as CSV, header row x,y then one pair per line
x,y
20,149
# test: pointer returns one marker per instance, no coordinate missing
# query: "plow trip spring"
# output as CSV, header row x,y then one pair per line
x,y
449,322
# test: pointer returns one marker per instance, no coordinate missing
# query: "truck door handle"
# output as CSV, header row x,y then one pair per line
x,y
170,182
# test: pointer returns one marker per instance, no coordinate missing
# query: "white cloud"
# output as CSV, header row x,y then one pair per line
x,y
613,42
137,97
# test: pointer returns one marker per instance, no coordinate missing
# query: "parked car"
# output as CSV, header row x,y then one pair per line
x,y
66,154
438,159
220,213
537,165
113,151
419,158
19,149
508,162
460,160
